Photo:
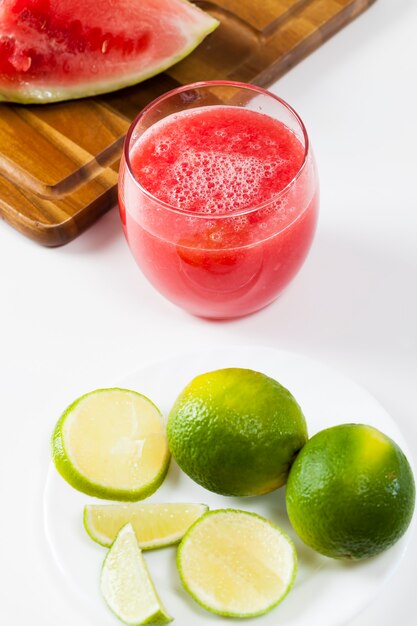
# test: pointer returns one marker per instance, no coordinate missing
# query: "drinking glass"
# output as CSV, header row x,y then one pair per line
x,y
223,263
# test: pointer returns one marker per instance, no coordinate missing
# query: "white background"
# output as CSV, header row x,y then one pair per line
x,y
82,316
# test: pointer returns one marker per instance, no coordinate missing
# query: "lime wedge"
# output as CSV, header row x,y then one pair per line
x,y
111,443
236,563
126,584
156,525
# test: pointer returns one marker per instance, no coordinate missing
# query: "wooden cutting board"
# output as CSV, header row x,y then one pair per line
x,y
59,162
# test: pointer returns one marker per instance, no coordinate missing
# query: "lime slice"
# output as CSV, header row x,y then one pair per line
x,y
126,584
111,443
155,525
236,563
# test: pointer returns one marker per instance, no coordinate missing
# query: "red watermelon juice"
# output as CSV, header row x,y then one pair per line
x,y
219,207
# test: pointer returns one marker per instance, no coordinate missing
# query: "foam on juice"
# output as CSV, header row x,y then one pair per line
x,y
216,160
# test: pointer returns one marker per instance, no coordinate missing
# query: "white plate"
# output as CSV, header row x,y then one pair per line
x,y
326,592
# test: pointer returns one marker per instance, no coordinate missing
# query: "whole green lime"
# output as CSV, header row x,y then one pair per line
x,y
351,492
236,431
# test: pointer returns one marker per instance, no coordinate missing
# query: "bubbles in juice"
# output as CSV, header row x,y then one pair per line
x,y
216,160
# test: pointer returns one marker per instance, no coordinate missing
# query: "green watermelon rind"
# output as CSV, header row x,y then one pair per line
x,y
38,94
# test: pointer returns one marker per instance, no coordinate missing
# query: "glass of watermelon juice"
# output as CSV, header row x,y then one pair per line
x,y
218,196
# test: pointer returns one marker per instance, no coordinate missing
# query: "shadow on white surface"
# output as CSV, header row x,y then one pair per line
x,y
101,235
345,291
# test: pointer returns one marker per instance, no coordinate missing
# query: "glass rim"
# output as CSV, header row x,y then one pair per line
x,y
215,83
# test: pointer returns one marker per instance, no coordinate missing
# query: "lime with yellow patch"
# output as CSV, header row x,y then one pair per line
x,y
126,583
111,444
156,525
350,492
236,563
236,431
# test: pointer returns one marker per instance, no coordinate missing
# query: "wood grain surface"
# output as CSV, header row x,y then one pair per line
x,y
59,162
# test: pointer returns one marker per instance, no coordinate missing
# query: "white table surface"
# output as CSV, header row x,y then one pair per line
x,y
82,316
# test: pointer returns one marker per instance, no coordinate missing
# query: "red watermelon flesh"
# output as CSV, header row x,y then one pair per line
x,y
59,49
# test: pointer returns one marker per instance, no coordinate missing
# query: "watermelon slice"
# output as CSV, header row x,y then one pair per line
x,y
54,50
